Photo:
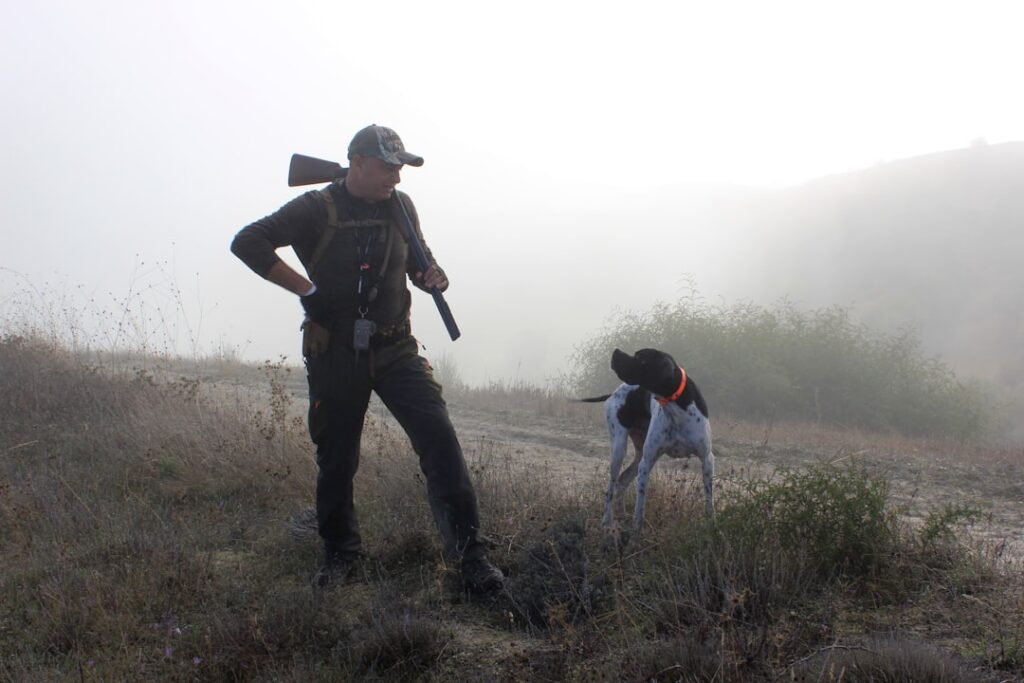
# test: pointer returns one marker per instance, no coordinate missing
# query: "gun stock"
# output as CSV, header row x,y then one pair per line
x,y
304,170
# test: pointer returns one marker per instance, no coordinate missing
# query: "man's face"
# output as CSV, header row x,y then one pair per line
x,y
373,179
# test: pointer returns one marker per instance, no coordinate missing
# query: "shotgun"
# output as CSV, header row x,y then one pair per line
x,y
305,170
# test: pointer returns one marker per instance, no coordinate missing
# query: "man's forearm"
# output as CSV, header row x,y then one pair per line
x,y
283,275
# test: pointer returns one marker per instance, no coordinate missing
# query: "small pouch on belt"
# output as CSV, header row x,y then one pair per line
x,y
315,338
362,330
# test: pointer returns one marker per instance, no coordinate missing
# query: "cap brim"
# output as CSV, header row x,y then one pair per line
x,y
409,159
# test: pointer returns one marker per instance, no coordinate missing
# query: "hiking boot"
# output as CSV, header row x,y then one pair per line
x,y
480,577
334,571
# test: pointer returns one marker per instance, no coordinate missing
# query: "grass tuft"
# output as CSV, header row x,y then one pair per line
x,y
890,660
396,643
551,583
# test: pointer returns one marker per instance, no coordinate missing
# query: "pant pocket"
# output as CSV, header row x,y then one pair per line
x,y
327,373
318,418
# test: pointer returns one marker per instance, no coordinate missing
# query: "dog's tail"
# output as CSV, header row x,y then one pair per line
x,y
595,399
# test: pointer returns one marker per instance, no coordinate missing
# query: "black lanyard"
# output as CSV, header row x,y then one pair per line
x,y
363,254
366,286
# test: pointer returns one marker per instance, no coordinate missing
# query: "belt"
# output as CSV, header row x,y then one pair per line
x,y
384,336
391,334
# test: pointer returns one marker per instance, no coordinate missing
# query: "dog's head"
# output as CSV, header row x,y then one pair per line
x,y
649,368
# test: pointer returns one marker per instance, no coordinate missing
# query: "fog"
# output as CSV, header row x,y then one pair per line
x,y
931,244
581,158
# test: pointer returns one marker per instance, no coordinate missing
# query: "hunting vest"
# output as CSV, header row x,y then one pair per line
x,y
360,261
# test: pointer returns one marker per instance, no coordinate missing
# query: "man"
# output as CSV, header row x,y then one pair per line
x,y
357,339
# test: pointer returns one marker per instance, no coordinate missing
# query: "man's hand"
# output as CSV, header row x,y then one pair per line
x,y
434,278
315,339
314,306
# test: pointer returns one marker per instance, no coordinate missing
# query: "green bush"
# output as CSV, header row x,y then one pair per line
x,y
780,362
940,524
837,519
783,557
772,543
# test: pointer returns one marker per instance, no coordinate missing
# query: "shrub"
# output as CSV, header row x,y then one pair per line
x,y
783,363
398,644
812,525
551,582
939,526
837,519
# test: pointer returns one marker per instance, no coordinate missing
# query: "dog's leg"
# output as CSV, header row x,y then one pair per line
x,y
617,438
696,433
652,450
629,474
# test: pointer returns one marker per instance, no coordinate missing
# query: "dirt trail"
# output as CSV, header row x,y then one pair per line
x,y
564,446
921,476
569,440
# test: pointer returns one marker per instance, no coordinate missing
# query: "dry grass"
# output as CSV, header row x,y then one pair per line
x,y
144,536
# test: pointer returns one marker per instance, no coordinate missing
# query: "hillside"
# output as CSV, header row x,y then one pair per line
x,y
933,243
929,243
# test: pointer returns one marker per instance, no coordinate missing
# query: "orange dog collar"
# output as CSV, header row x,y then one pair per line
x,y
679,392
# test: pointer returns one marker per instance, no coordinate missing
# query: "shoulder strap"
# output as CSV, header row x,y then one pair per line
x,y
328,234
387,259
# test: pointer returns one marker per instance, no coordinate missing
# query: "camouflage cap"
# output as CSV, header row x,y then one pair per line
x,y
383,143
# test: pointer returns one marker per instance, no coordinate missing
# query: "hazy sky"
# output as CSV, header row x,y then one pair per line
x,y
138,137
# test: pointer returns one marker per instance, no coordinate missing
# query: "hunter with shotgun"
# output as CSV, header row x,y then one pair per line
x,y
359,241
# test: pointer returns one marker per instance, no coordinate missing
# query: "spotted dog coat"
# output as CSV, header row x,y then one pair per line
x,y
639,411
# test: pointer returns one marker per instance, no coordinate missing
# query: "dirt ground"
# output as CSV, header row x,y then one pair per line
x,y
570,440
922,474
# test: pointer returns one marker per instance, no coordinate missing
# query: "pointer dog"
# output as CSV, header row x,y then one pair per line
x,y
662,411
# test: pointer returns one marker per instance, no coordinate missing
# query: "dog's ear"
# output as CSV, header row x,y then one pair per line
x,y
623,366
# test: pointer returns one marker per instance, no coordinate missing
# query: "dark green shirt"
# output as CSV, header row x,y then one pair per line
x,y
353,252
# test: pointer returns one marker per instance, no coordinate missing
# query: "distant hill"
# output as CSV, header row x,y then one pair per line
x,y
934,243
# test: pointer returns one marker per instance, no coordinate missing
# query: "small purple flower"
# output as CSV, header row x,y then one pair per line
x,y
197,660
168,651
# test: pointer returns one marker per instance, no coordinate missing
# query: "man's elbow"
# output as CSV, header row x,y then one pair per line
x,y
259,261
236,245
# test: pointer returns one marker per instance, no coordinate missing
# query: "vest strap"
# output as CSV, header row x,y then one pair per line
x,y
328,234
333,225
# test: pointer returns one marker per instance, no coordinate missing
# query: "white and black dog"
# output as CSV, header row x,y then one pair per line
x,y
662,411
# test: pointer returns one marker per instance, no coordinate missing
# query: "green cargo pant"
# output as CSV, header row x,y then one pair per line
x,y
339,392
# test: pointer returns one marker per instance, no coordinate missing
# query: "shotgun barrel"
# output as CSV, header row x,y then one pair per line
x,y
402,214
